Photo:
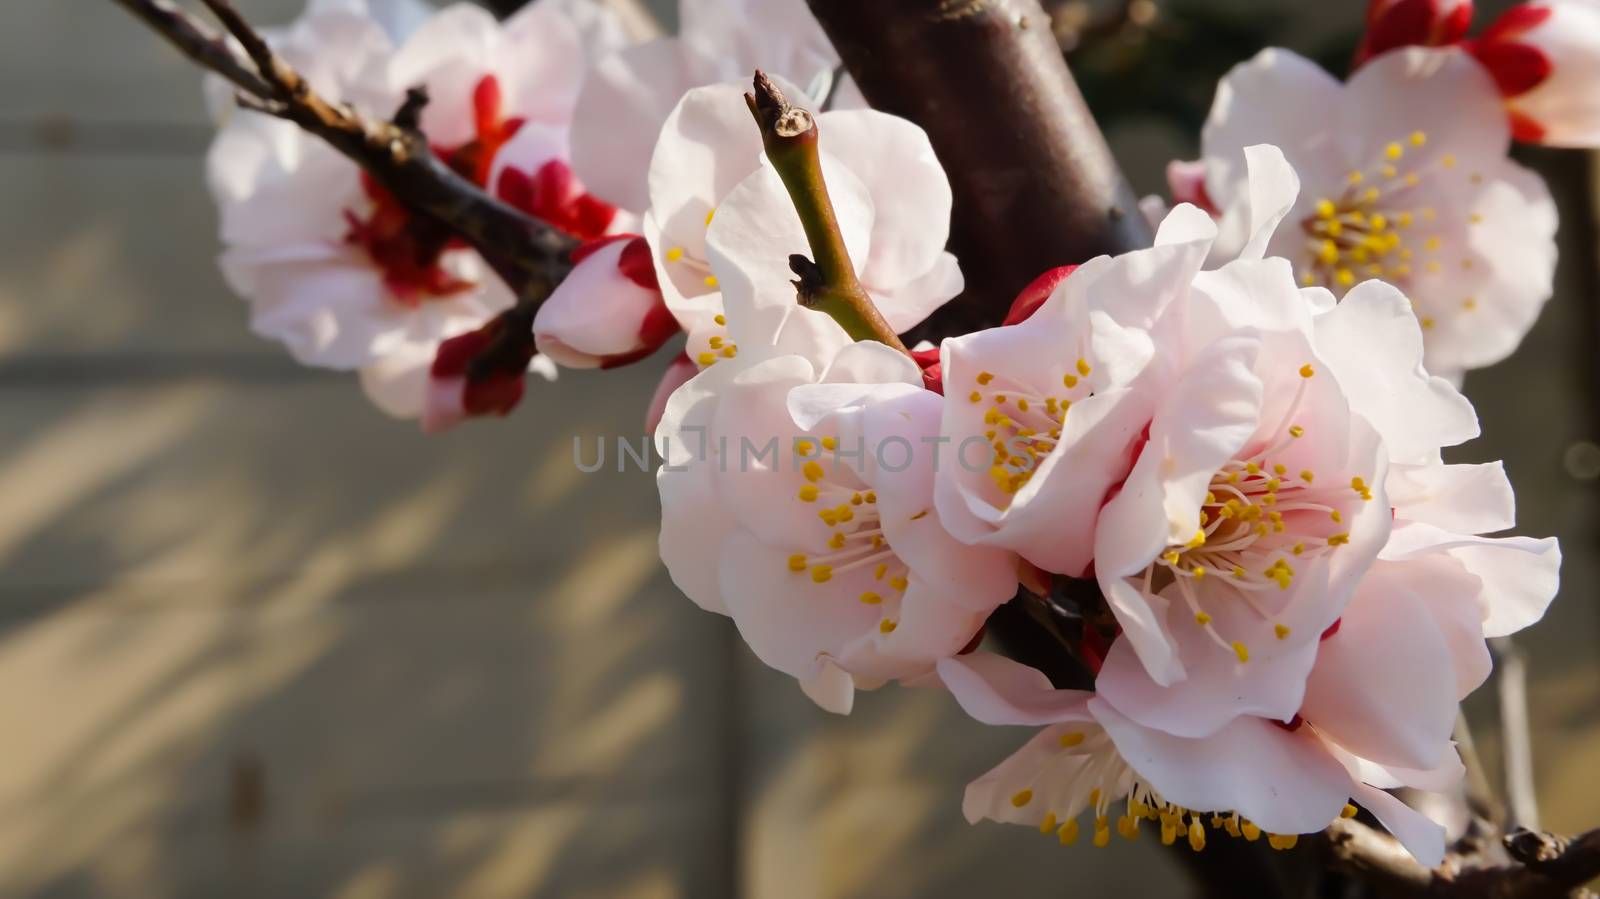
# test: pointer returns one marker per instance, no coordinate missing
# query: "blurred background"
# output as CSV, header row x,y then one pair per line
x,y
257,640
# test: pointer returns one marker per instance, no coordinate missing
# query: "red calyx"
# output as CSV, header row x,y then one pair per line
x,y
1392,24
1034,295
932,371
553,195
1332,629
1516,68
409,248
494,362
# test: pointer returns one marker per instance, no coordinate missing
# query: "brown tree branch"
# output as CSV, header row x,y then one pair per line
x,y
1035,184
528,254
1541,865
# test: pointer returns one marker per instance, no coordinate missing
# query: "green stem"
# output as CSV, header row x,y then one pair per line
x,y
829,284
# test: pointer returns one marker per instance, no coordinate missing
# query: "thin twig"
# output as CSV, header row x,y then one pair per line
x,y
828,281
212,52
528,254
1512,686
1542,865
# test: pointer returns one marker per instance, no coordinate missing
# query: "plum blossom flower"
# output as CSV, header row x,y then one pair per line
x,y
1392,24
608,311
1302,588
1406,179
715,204
1049,400
1545,58
334,266
798,500
628,95
1251,777
1257,501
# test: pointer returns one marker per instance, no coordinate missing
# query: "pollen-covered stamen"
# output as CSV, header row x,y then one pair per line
x,y
678,256
1022,424
1380,226
856,542
1261,522
1086,773
718,345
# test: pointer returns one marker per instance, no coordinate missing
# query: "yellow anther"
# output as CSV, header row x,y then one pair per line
x,y
1252,468
706,359
1068,834
1349,811
1242,651
1022,798
709,213
1128,826
1337,518
1048,824
710,281
715,343
837,540
1357,177
871,598
1202,618
1238,571
1282,630
1171,557
1197,835
871,496
1071,739
730,351
1449,161
856,499
1198,571
985,377
812,470
821,574
1344,277
1083,367
830,443
797,562
1418,138
1250,830
1199,539
1335,228
1326,209
674,254
1102,832
1283,840
1338,539
1307,371
1427,323
899,583
1169,830
887,627
1469,304
1394,151
1000,399
1328,253
808,493
720,319
880,571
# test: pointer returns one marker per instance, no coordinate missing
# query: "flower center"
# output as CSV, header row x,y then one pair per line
x,y
1024,425
1379,227
409,249
678,256
1260,519
857,544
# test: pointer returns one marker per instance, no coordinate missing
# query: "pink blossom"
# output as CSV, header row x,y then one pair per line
x,y
1406,179
1545,58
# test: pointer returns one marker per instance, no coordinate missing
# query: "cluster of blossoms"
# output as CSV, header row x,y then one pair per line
x,y
1234,436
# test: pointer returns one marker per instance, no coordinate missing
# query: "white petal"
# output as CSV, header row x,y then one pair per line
x,y
996,690
1285,782
625,99
1373,344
